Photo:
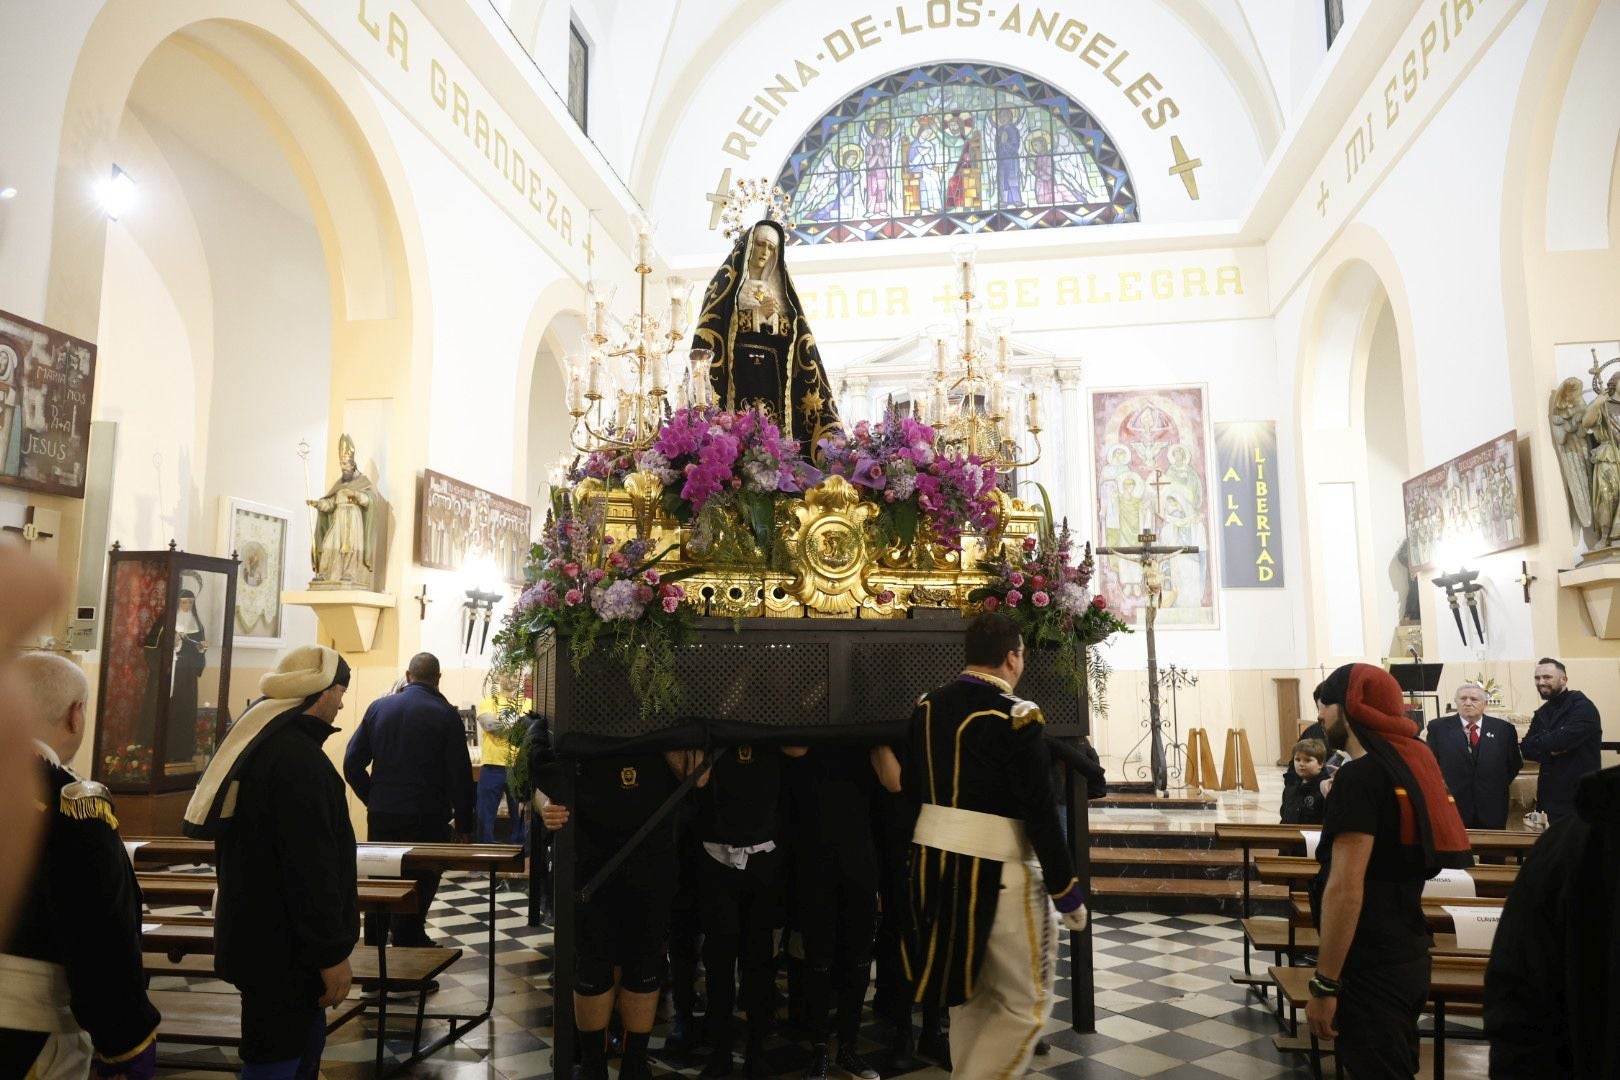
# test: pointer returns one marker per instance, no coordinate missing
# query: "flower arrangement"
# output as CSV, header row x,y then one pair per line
x,y
131,765
1048,595
897,462
713,462
583,587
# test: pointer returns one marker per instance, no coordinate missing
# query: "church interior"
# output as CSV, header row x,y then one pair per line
x,y
1276,335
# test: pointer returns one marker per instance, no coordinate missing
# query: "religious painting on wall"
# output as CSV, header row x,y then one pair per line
x,y
257,535
460,527
46,379
1151,454
1248,506
1472,505
953,148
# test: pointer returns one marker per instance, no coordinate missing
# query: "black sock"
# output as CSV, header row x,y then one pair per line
x,y
635,1046
592,1047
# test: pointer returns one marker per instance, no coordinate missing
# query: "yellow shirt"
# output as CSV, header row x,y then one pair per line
x,y
493,747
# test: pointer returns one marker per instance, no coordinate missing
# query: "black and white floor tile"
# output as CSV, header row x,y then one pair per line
x,y
1166,1006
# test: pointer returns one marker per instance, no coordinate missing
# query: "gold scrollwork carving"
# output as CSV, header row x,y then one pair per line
x,y
828,548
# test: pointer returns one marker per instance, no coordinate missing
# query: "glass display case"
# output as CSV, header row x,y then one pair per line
x,y
165,668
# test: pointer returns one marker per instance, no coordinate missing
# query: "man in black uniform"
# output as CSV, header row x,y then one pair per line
x,y
623,926
1390,824
831,791
288,912
72,992
984,936
739,882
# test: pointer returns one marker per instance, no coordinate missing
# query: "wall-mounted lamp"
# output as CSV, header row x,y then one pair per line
x,y
478,600
1463,585
117,193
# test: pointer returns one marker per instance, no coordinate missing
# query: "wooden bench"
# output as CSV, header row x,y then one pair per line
x,y
202,1019
408,968
1489,881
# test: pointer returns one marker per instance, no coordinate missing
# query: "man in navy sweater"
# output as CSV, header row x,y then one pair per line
x,y
1564,736
419,774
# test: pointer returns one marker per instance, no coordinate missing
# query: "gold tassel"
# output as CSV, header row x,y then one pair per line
x,y
88,808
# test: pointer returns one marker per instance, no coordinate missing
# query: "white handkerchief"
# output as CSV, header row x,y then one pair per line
x,y
380,860
1312,838
132,846
1476,927
1450,883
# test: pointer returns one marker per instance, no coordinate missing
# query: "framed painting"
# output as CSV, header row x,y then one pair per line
x,y
47,379
1472,505
1150,452
258,534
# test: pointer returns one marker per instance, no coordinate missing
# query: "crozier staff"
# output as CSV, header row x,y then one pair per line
x,y
990,861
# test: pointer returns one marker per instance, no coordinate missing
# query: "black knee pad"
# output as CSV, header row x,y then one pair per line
x,y
593,975
642,976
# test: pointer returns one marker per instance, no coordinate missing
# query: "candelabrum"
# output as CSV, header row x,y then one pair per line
x,y
968,399
631,372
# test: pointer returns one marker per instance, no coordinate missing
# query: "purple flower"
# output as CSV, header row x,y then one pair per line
x,y
619,601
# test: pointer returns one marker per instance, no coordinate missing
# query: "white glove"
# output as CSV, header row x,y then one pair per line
x,y
1074,920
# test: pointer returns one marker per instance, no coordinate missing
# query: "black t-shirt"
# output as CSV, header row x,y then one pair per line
x,y
740,806
831,793
1391,929
616,793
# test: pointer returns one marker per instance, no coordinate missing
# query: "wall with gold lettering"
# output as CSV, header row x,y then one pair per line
x,y
1137,68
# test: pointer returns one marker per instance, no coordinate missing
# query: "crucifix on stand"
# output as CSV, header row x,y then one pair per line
x,y
1151,557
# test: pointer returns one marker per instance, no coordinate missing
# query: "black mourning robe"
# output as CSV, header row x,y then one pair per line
x,y
783,372
967,749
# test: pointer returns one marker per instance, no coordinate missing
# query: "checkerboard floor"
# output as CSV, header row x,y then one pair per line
x,y
1165,1006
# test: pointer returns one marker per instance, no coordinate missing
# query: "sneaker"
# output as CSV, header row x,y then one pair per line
x,y
820,1063
1042,1048
851,1063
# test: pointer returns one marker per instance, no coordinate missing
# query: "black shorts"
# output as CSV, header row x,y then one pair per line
x,y
625,924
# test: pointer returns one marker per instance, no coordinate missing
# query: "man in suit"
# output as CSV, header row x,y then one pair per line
x,y
1564,737
1479,757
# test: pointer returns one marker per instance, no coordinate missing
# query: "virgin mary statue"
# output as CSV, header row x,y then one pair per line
x,y
764,353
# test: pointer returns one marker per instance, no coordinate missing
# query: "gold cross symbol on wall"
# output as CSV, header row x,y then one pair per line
x,y
1321,203
718,198
590,249
1185,166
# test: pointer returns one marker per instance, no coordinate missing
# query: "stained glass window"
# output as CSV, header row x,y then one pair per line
x,y
954,148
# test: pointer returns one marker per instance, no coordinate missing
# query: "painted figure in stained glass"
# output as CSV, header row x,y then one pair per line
x,y
953,148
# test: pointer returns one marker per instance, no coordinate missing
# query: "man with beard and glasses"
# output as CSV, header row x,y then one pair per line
x,y
1390,825
1564,739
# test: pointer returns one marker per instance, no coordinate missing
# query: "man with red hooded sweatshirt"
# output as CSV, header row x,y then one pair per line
x,y
1390,825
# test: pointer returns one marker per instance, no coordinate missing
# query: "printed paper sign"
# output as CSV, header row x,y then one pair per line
x,y
1476,927
1450,883
1312,838
380,860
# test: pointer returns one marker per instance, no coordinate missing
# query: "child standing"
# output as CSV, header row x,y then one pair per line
x,y
1305,802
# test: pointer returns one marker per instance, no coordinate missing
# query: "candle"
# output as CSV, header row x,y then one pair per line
x,y
677,307
1002,351
940,361
1034,411
941,404
576,394
656,366
593,386
680,400
643,243
998,400
599,318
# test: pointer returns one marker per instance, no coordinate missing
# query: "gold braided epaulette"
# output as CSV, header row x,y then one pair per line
x,y
1025,713
86,800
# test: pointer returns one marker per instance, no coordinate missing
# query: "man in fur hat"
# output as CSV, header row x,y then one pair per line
x,y
288,912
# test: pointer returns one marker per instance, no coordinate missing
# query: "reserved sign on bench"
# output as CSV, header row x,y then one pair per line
x,y
1476,927
380,860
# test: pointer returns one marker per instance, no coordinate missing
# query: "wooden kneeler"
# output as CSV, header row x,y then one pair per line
x,y
1237,765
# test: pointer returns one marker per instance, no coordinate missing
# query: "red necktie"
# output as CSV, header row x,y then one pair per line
x,y
1473,735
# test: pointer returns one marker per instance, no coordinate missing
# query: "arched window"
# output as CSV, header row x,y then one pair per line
x,y
954,148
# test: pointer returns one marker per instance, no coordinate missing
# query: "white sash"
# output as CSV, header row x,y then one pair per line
x,y
969,832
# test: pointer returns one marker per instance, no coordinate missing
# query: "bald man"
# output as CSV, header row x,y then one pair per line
x,y
72,991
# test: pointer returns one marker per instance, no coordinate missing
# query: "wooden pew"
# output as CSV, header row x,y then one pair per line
x,y
1494,881
391,896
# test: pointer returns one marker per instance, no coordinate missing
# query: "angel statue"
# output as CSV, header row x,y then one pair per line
x,y
1586,436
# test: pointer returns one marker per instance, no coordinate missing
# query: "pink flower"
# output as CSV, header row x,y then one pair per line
x,y
1039,598
652,577
886,596
1099,602
618,561
570,569
1039,581
668,589
595,575
672,604
1029,543
554,564
1016,578
573,597
644,593
991,603
1014,598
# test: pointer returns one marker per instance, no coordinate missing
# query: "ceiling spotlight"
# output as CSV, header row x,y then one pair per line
x,y
117,193
8,193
